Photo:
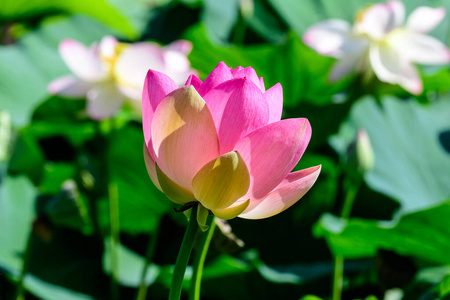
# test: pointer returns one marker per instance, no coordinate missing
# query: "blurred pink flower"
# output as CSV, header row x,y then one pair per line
x,y
221,143
380,41
110,72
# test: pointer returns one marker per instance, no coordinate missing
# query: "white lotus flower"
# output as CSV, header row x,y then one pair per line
x,y
110,72
379,41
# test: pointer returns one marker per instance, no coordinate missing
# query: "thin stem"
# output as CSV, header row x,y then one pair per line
x,y
89,183
352,190
142,293
199,260
115,237
338,275
183,256
20,291
113,196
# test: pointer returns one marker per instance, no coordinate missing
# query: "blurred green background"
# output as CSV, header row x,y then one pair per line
x,y
56,164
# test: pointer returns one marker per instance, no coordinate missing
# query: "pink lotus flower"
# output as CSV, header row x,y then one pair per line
x,y
380,42
221,143
110,72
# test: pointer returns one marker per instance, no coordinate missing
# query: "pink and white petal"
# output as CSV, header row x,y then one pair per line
x,y
248,73
354,46
182,46
131,92
194,81
345,66
104,100
133,64
424,19
238,107
69,86
231,212
410,80
220,74
177,66
156,86
420,48
397,9
151,167
271,152
107,47
327,37
85,63
287,193
375,21
183,135
391,67
386,62
274,97
180,77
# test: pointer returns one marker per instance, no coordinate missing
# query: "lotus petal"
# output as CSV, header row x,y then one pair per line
x,y
238,107
69,86
327,37
222,181
220,74
287,193
172,190
183,135
82,61
424,19
232,211
271,152
104,100
151,167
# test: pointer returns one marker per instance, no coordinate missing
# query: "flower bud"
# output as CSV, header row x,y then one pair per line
x,y
247,8
5,134
360,153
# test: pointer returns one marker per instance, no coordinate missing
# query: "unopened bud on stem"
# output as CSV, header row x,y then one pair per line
x,y
360,153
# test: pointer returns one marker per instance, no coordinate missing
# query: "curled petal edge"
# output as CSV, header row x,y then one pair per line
x,y
287,193
151,168
232,211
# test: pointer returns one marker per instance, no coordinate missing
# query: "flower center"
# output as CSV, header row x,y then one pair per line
x,y
109,53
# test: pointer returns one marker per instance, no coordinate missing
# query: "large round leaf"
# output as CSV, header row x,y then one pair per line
x,y
411,164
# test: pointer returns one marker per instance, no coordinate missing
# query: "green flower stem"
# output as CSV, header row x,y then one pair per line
x,y
183,256
338,275
115,237
20,291
199,260
352,190
113,196
142,293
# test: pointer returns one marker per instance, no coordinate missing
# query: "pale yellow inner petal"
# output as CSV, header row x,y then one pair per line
x,y
231,212
222,181
172,190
